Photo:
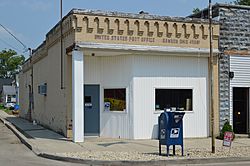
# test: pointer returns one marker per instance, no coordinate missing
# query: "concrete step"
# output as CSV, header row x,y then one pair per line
x,y
241,136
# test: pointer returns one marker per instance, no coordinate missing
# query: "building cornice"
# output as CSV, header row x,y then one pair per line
x,y
149,49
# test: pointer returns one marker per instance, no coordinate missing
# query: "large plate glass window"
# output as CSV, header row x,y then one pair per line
x,y
174,99
115,99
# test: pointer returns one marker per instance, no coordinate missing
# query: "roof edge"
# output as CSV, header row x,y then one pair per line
x,y
124,15
134,15
128,15
220,5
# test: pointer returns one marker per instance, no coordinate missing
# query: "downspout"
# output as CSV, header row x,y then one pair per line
x,y
31,89
61,45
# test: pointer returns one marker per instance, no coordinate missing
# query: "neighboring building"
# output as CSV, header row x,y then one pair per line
x,y
132,66
8,96
234,44
4,81
16,84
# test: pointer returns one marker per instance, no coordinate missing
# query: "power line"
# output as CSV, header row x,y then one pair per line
x,y
10,45
24,46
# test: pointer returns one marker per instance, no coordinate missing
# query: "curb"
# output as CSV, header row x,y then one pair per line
x,y
25,141
142,163
20,136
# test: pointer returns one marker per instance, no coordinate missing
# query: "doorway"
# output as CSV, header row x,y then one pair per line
x,y
240,110
91,110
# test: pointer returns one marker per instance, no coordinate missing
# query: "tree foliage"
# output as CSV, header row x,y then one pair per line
x,y
242,2
10,63
196,10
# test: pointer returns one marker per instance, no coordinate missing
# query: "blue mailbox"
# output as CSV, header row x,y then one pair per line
x,y
171,130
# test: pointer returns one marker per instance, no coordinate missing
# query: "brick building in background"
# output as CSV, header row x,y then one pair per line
x,y
234,64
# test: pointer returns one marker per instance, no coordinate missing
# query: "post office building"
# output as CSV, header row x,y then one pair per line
x,y
111,74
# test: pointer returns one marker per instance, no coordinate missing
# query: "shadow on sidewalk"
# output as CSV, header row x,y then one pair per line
x,y
112,143
31,131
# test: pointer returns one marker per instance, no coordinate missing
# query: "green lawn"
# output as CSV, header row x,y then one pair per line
x,y
5,109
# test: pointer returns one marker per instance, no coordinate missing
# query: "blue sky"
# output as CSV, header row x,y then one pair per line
x,y
30,20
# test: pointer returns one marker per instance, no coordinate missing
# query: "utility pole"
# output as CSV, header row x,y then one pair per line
x,y
211,75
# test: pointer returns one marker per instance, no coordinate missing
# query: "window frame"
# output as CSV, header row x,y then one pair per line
x,y
182,87
125,111
43,89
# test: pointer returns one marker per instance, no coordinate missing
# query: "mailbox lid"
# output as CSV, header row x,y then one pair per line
x,y
178,117
175,118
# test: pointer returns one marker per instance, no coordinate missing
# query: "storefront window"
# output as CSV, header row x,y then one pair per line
x,y
174,99
115,99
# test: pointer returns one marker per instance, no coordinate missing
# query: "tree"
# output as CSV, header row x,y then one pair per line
x,y
10,63
196,10
242,2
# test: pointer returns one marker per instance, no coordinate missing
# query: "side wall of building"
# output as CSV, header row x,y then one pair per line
x,y
49,110
24,83
234,40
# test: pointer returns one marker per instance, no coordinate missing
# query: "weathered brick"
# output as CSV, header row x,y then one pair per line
x,y
234,39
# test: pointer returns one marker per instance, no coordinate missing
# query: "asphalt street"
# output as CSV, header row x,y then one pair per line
x,y
245,163
14,153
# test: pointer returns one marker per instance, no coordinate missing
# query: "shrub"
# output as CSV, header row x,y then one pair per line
x,y
1,106
226,127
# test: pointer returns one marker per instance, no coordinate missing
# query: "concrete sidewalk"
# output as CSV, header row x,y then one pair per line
x,y
39,138
46,143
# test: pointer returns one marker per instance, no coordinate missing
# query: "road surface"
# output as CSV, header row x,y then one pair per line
x,y
14,153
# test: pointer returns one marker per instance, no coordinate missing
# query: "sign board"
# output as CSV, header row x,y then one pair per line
x,y
174,133
163,134
228,138
136,30
106,106
88,105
